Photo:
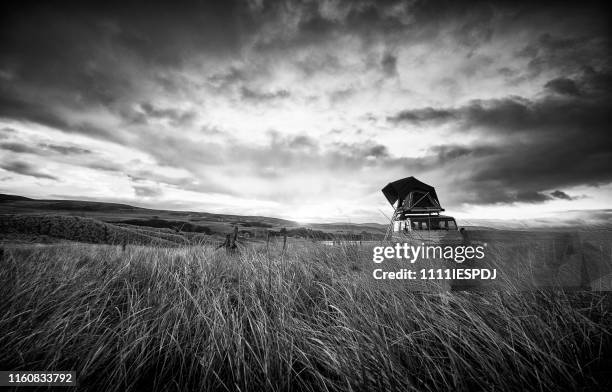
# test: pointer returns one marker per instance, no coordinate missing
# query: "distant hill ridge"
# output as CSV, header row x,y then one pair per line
x,y
5,197
82,205
187,221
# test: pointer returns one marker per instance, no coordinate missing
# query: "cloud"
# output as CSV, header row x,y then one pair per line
x,y
540,144
449,153
240,99
531,197
106,166
559,51
43,149
561,195
303,142
342,94
145,191
66,150
175,116
254,95
18,148
389,65
227,78
563,86
420,116
26,169
16,108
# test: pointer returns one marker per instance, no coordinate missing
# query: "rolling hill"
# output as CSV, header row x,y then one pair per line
x,y
32,217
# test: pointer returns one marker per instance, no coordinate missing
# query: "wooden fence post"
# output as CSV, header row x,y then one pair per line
x,y
235,237
227,244
284,233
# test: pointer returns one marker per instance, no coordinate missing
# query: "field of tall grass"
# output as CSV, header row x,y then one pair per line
x,y
308,319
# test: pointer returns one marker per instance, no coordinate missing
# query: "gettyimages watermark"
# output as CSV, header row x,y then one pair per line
x,y
412,254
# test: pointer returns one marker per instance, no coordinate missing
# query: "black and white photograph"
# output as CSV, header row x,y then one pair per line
x,y
306,195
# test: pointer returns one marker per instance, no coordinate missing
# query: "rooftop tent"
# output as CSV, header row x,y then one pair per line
x,y
413,195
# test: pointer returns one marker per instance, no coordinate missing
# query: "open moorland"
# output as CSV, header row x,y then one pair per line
x,y
137,307
31,220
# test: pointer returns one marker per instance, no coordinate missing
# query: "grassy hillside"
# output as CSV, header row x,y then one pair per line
x,y
72,228
190,318
18,204
200,222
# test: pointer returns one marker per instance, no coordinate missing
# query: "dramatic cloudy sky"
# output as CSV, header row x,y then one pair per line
x,y
305,110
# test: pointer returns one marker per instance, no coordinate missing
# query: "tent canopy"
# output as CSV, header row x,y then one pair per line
x,y
412,194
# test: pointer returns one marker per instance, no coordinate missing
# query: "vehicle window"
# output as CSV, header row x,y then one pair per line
x,y
452,225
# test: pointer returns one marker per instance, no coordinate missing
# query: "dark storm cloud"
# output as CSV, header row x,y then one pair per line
x,y
25,169
70,33
477,27
366,19
471,24
19,109
531,197
550,143
564,86
370,18
514,114
70,153
78,53
81,56
568,53
561,195
30,111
